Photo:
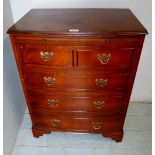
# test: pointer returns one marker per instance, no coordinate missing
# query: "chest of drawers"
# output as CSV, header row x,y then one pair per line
x,y
77,68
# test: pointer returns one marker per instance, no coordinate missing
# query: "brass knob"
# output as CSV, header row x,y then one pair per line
x,y
97,125
98,104
49,80
52,102
101,82
55,122
46,56
103,58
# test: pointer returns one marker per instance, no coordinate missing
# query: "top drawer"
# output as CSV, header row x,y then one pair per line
x,y
100,57
47,55
76,56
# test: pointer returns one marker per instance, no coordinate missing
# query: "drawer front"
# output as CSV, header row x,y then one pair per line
x,y
62,82
47,55
92,124
71,103
104,58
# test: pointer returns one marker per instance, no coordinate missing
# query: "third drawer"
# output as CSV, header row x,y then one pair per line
x,y
99,103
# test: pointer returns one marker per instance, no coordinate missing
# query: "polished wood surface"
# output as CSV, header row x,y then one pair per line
x,y
78,124
79,40
87,21
33,54
78,81
115,82
88,57
95,103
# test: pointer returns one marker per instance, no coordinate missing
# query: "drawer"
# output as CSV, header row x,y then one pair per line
x,y
100,57
47,55
63,82
72,103
92,124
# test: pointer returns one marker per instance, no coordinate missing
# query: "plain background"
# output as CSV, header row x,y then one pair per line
x,y
13,98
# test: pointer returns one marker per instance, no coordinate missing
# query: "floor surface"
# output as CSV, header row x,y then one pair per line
x,y
137,138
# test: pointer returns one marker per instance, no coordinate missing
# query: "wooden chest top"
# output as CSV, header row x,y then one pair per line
x,y
79,21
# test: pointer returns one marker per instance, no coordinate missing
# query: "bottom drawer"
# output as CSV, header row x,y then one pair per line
x,y
78,124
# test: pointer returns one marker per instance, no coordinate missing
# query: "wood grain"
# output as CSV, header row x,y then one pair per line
x,y
69,104
87,21
75,104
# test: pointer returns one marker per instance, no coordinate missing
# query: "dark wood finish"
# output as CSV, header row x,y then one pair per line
x,y
88,21
73,103
82,40
88,56
78,81
76,124
114,82
118,58
39,132
117,136
31,54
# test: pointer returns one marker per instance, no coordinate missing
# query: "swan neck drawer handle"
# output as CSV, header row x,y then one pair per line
x,y
103,58
52,102
98,104
46,56
55,122
101,82
49,80
97,125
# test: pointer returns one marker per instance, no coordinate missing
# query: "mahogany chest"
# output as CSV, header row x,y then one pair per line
x,y
77,68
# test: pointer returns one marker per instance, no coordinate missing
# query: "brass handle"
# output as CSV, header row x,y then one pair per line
x,y
52,102
97,125
104,58
49,80
98,104
46,56
55,122
101,82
